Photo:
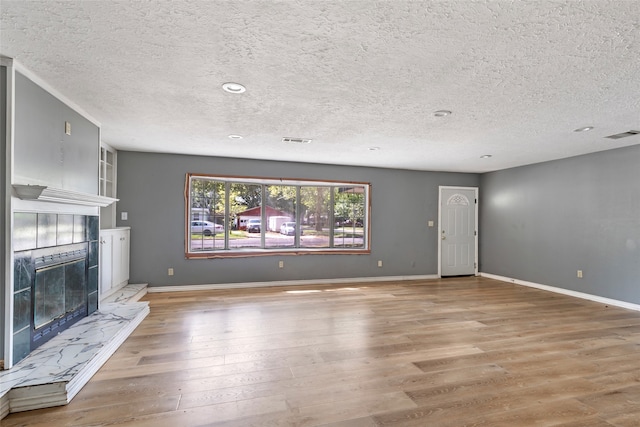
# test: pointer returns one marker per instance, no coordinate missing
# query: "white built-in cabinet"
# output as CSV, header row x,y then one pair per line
x,y
114,241
107,184
114,259
107,171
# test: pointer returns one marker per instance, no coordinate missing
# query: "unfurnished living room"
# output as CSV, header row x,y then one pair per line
x,y
320,213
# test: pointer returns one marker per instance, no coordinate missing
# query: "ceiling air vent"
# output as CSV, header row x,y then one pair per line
x,y
296,140
623,134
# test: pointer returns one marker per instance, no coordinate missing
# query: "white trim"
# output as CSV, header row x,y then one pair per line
x,y
58,195
477,225
576,294
46,86
222,286
107,146
8,209
39,206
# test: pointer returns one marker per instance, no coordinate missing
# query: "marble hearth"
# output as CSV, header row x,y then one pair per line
x,y
56,371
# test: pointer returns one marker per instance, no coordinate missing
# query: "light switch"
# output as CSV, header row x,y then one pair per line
x,y
124,216
430,223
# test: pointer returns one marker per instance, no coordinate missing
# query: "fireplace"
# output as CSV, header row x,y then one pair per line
x,y
55,276
59,291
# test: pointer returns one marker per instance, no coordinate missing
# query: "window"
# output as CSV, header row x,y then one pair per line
x,y
281,227
231,216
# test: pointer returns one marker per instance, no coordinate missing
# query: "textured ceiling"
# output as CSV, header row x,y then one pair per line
x,y
519,77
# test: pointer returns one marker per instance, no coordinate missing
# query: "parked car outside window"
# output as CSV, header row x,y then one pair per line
x,y
288,228
253,226
206,227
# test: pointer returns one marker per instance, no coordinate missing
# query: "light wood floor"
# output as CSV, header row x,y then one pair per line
x,y
456,352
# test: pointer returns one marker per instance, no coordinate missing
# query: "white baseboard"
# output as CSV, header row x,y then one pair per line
x,y
181,288
582,295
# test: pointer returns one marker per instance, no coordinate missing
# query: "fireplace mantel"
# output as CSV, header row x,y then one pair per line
x,y
51,194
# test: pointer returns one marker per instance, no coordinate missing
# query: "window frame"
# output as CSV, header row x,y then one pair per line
x,y
228,252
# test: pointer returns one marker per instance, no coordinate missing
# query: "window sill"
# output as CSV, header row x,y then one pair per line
x,y
274,252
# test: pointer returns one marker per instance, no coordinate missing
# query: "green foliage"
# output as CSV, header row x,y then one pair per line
x,y
313,200
247,195
349,206
207,194
282,197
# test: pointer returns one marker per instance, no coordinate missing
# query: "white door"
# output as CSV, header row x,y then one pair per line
x,y
458,233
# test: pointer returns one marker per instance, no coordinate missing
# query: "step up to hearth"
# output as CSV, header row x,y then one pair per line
x,y
56,371
129,293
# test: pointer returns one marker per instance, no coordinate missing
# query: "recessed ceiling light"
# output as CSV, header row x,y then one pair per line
x,y
486,156
374,148
441,113
233,87
584,129
235,136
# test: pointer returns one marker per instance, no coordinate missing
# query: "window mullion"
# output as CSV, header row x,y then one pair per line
x,y
263,216
331,217
296,239
227,215
201,196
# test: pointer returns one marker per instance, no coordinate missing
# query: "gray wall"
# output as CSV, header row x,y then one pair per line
x,y
43,153
151,190
541,223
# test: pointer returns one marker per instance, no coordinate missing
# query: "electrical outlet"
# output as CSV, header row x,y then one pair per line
x,y
124,216
579,274
67,128
430,223
170,272
379,263
280,264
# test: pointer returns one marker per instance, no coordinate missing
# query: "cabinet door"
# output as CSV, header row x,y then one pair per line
x,y
126,253
122,273
107,172
106,262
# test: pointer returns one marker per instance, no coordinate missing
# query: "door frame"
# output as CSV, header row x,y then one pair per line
x,y
477,232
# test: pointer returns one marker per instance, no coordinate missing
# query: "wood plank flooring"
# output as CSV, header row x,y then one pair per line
x,y
454,352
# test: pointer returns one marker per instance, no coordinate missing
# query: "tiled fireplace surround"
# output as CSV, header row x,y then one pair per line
x,y
40,238
53,373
